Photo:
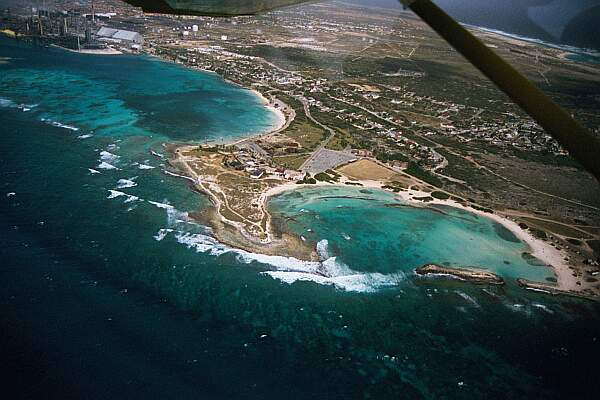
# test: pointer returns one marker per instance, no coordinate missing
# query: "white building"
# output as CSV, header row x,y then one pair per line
x,y
120,36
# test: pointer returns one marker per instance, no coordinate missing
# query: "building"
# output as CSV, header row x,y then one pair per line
x,y
99,16
257,173
363,153
294,175
120,36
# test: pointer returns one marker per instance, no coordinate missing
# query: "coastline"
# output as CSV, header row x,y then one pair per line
x,y
545,252
291,246
100,52
233,234
565,48
539,249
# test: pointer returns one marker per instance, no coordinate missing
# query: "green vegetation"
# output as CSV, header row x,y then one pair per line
x,y
557,228
385,156
424,198
308,180
395,186
538,233
290,162
557,160
415,170
595,246
342,139
302,129
328,176
440,195
484,209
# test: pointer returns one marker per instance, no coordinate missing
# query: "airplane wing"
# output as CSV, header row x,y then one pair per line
x,y
580,143
221,8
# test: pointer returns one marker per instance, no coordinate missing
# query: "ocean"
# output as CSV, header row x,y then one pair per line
x,y
110,290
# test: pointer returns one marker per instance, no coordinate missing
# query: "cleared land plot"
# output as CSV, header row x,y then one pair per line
x,y
368,170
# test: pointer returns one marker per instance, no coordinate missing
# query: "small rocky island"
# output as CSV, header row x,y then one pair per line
x,y
474,275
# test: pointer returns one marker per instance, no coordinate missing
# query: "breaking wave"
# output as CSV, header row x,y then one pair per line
x,y
126,183
145,166
108,156
59,124
6,103
162,234
288,270
105,165
128,197
107,160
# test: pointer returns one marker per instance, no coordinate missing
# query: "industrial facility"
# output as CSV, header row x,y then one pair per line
x,y
119,36
79,28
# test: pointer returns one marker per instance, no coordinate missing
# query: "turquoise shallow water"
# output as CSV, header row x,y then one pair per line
x,y
110,291
373,231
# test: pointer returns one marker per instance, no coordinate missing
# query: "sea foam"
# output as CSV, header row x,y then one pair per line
x,y
128,198
6,103
107,166
108,156
329,271
290,270
126,183
59,124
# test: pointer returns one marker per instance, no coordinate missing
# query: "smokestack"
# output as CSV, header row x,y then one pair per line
x,y
64,30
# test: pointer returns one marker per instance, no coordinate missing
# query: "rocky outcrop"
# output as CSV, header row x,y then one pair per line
x,y
474,275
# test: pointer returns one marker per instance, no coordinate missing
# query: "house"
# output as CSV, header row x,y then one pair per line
x,y
257,173
363,153
293,175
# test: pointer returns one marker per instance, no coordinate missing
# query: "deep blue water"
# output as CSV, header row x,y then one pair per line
x,y
110,291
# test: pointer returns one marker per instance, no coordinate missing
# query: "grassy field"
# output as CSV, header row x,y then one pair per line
x,y
290,162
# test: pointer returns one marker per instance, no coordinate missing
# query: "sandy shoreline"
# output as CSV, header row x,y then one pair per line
x,y
541,250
